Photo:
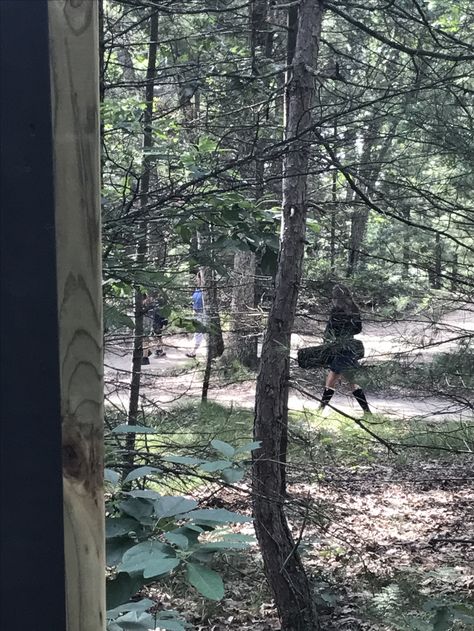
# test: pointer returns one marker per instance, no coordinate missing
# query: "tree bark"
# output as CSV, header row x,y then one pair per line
x,y
142,245
371,165
243,335
283,567
215,344
243,338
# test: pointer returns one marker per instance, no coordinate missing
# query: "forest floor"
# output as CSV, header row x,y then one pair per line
x,y
388,537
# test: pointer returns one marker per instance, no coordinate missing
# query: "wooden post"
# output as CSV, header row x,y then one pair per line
x,y
74,46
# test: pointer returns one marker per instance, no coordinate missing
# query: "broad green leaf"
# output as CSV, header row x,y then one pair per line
x,y
141,472
220,515
119,526
224,448
216,465
190,532
137,558
133,429
204,556
177,539
122,588
233,475
157,566
255,444
223,545
169,625
442,620
136,621
140,605
206,581
145,494
113,477
169,506
116,548
190,460
137,507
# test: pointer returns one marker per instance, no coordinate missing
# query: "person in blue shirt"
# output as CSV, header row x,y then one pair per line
x,y
198,314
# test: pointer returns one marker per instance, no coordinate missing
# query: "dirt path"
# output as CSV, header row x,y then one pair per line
x,y
177,379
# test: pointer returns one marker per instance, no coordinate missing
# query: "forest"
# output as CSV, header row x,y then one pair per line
x,y
264,162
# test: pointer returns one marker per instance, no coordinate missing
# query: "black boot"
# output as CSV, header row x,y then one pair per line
x,y
361,400
327,396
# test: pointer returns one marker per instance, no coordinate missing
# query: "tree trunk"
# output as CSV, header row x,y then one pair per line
x,y
332,236
258,28
215,338
454,273
438,261
369,172
283,567
142,245
406,245
243,336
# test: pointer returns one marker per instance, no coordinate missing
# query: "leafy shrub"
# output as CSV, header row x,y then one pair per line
x,y
150,536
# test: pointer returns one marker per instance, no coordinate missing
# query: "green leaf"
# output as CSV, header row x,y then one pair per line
x,y
183,460
177,539
224,448
113,477
216,465
137,558
233,475
220,515
169,625
141,472
146,494
206,581
116,548
137,507
122,588
119,526
140,606
214,546
442,620
136,621
255,444
157,566
169,506
190,532
133,429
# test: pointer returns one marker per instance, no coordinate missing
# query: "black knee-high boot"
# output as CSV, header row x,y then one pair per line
x,y
361,400
327,396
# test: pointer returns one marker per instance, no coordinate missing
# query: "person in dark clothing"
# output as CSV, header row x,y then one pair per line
x,y
344,322
153,325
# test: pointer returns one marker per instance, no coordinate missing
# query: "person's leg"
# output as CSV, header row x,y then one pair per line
x,y
331,381
147,329
198,337
159,352
358,394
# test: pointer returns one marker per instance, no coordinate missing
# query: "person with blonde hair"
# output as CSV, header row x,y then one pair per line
x,y
344,322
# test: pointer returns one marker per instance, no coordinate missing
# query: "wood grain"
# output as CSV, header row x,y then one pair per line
x,y
74,33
